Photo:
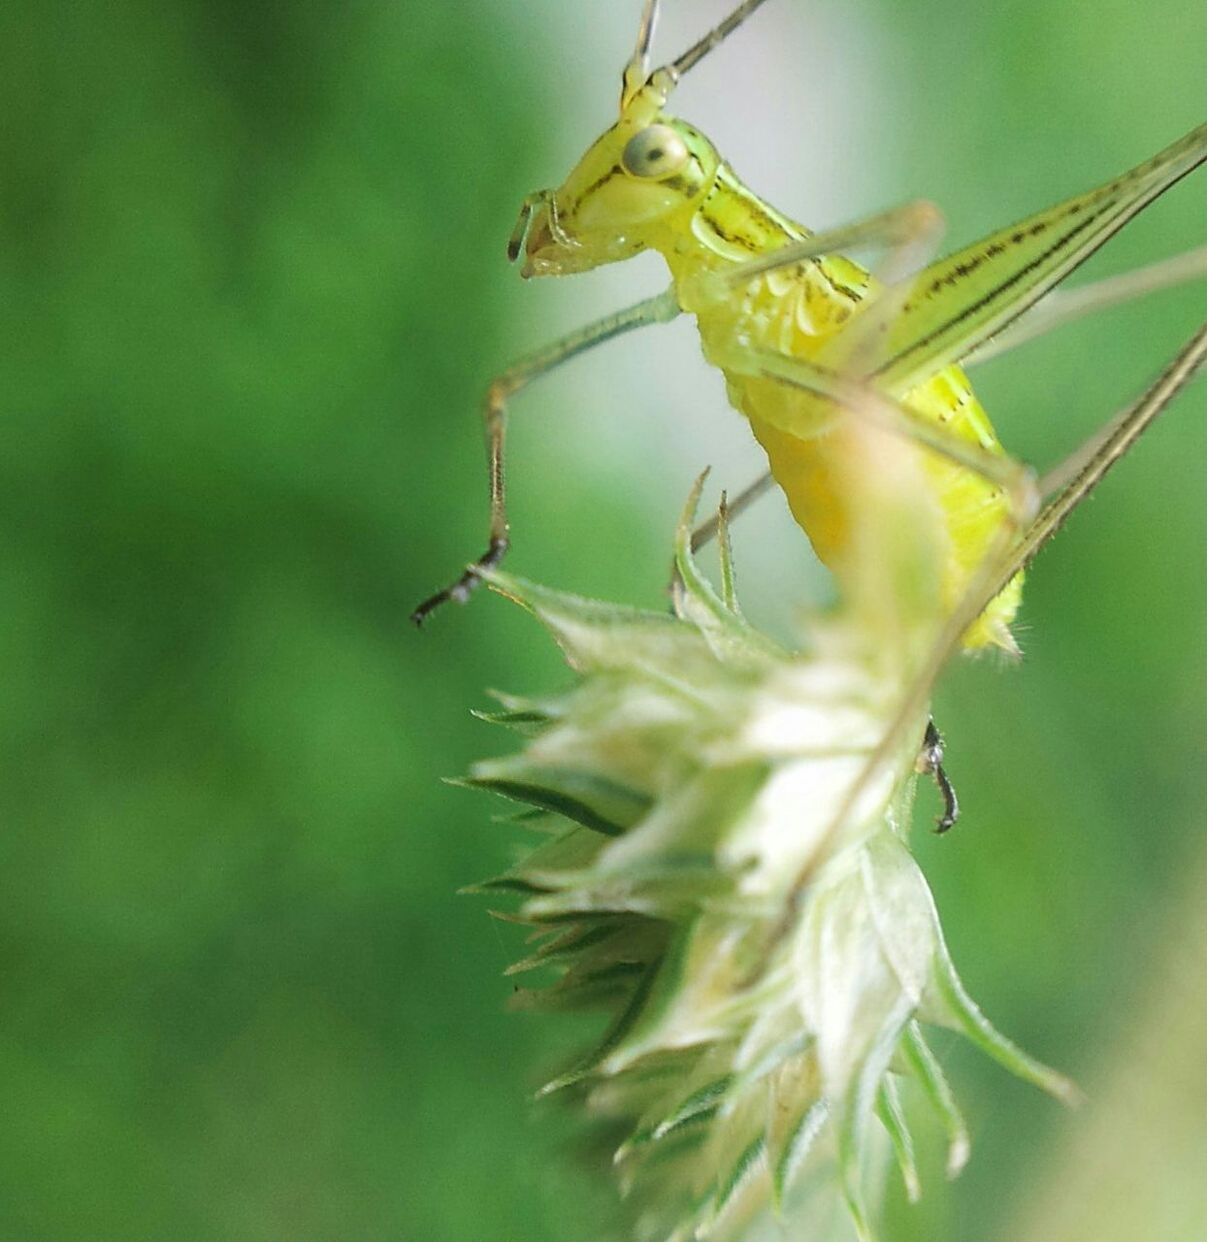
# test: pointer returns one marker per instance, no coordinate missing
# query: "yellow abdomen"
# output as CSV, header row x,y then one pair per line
x,y
973,509
793,313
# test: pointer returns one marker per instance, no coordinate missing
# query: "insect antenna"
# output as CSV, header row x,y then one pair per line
x,y
637,71
717,35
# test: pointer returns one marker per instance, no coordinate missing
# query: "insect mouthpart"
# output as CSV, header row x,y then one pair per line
x,y
515,242
548,249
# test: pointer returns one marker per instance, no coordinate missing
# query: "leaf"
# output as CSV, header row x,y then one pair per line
x,y
727,634
888,1109
596,637
750,1164
689,822
527,722
580,990
581,796
938,1091
957,1009
701,1105
796,1149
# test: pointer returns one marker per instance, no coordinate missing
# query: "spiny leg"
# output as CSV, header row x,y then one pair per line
x,y
949,309
660,309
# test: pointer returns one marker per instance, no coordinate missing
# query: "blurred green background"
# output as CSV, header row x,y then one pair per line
x,y
251,285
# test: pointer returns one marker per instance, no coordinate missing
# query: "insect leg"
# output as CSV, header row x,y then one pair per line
x,y
909,233
930,763
707,530
660,309
1070,482
999,566
959,302
1067,306
949,309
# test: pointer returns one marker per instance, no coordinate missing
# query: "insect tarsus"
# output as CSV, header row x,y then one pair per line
x,y
930,763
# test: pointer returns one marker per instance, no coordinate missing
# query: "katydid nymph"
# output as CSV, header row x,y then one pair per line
x,y
805,337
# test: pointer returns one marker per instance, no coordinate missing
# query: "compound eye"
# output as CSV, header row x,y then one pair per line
x,y
655,152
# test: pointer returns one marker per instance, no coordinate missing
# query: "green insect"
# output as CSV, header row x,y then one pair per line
x,y
806,337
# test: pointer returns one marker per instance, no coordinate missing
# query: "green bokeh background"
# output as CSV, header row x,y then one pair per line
x,y
251,285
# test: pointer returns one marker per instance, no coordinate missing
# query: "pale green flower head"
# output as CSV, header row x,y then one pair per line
x,y
722,867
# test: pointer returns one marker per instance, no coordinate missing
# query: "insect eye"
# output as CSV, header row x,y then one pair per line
x,y
655,152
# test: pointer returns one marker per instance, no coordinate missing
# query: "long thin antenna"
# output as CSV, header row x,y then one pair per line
x,y
637,71
717,35
645,34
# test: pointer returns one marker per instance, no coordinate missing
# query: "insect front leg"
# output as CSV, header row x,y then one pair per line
x,y
660,309
908,235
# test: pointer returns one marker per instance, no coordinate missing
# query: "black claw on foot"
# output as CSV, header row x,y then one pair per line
x,y
465,586
930,762
459,592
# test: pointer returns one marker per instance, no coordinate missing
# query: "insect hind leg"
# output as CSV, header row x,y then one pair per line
x,y
1012,553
